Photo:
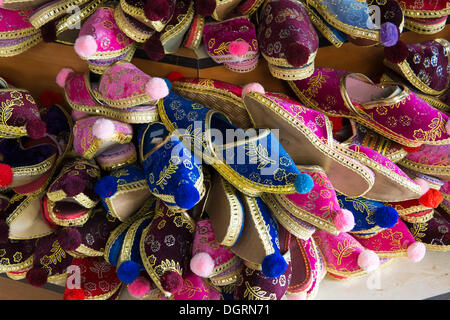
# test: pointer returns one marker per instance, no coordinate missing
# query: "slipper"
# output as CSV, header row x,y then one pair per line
x,y
427,9
117,157
390,109
134,29
16,256
426,25
318,207
196,288
16,32
312,131
173,173
250,166
424,65
287,39
94,135
123,191
64,213
215,94
194,35
154,14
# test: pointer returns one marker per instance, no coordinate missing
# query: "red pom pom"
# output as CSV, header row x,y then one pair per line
x,y
174,76
337,123
6,175
397,53
205,8
156,9
74,294
37,277
154,49
297,54
4,232
411,149
431,199
48,31
36,128
172,282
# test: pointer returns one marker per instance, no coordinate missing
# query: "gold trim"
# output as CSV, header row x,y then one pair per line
x,y
117,137
52,12
225,266
226,279
425,168
291,74
323,28
19,266
197,33
139,14
36,169
129,29
21,47
170,31
85,251
426,14
282,62
66,222
110,167
128,241
17,34
236,215
421,219
68,22
423,28
436,247
140,185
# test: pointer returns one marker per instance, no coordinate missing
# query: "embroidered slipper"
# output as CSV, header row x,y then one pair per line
x,y
117,157
17,34
318,207
16,256
394,242
390,109
310,131
232,42
426,25
215,94
258,244
287,39
425,65
133,28
173,173
344,255
391,183
426,9
123,191
194,36
196,288
94,135
209,258
64,213
98,280
434,233
225,210
101,42
165,246
254,285
353,19
249,163
228,277
50,261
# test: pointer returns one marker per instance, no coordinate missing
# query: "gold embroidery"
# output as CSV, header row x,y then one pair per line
x,y
57,254
344,249
256,293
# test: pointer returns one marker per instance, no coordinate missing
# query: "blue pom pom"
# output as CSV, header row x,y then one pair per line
x,y
303,183
106,187
128,271
169,84
274,265
386,217
186,196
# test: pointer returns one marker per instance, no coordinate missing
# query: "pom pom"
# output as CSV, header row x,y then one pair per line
x,y
298,296
423,185
186,196
154,48
157,88
238,48
431,199
103,129
411,149
274,265
253,87
447,127
85,46
74,294
48,32
174,76
6,175
77,115
344,220
368,260
61,78
139,287
156,10
37,277
4,232
389,34
171,282
397,53
128,271
303,183
49,98
337,123
416,251
73,186
36,128
69,239
106,187
297,54
386,217
202,264
205,8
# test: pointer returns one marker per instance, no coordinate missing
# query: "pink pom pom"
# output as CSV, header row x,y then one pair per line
x,y
61,78
238,48
253,87
157,88
77,115
202,264
368,260
139,287
344,220
423,185
85,46
447,127
103,129
299,296
416,251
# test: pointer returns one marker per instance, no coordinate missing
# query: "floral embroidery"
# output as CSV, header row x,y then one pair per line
x,y
344,249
